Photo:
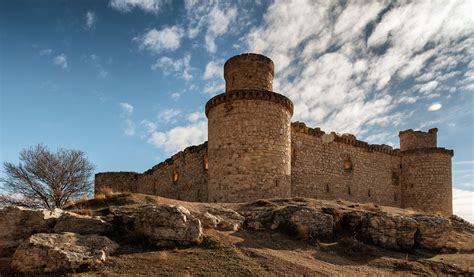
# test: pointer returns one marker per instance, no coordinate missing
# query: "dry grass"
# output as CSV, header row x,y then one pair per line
x,y
84,211
99,196
370,207
105,190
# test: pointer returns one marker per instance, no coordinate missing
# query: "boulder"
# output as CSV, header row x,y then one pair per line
x,y
46,253
81,224
18,223
391,231
432,232
229,220
304,222
163,225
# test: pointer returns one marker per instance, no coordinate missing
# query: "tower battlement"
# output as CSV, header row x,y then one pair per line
x,y
410,139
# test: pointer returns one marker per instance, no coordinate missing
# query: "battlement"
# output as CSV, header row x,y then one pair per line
x,y
410,139
249,71
248,94
349,139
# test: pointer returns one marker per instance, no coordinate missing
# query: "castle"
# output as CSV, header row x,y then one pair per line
x,y
254,151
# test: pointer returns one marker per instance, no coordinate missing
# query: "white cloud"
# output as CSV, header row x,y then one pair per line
x,y
175,95
168,115
149,126
91,19
127,109
96,62
342,70
45,52
168,38
151,6
61,61
434,107
463,204
129,127
196,116
215,18
181,67
180,137
213,69
213,88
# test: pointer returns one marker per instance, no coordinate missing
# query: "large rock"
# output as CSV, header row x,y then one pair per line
x,y
17,224
46,253
222,219
432,232
164,225
304,222
81,224
387,230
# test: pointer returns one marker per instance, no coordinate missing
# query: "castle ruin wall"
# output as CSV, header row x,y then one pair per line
x,y
332,167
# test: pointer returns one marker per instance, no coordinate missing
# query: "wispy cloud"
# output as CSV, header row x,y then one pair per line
x,y
168,38
179,137
168,115
343,71
213,17
127,109
126,113
45,52
150,6
61,61
180,67
91,19
213,70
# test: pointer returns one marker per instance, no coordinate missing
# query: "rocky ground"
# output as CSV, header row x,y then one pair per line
x,y
133,234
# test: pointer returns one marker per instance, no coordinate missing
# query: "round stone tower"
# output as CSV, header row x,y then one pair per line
x,y
426,172
249,134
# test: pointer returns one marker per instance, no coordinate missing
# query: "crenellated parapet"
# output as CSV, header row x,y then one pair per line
x,y
349,139
250,94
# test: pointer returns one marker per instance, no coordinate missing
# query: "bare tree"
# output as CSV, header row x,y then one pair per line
x,y
47,179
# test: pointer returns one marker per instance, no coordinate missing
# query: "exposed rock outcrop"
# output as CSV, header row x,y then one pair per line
x,y
221,219
46,253
163,225
432,232
17,224
81,224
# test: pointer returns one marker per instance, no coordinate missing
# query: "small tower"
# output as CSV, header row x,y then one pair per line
x,y
249,134
426,172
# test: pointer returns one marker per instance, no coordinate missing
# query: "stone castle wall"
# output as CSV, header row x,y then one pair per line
x,y
329,166
183,176
249,146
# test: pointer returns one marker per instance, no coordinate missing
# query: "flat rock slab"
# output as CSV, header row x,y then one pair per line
x,y
47,253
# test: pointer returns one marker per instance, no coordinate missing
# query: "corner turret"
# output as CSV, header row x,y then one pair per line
x,y
426,172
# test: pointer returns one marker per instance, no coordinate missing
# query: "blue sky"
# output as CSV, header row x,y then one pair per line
x,y
126,81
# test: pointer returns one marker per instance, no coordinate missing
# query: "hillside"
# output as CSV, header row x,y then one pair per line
x,y
295,236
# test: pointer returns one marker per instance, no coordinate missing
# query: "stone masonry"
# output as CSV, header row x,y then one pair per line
x,y
254,151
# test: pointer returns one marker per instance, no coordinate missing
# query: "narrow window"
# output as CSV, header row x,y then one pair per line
x,y
175,176
276,183
327,188
395,197
369,193
205,163
411,185
349,190
348,164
